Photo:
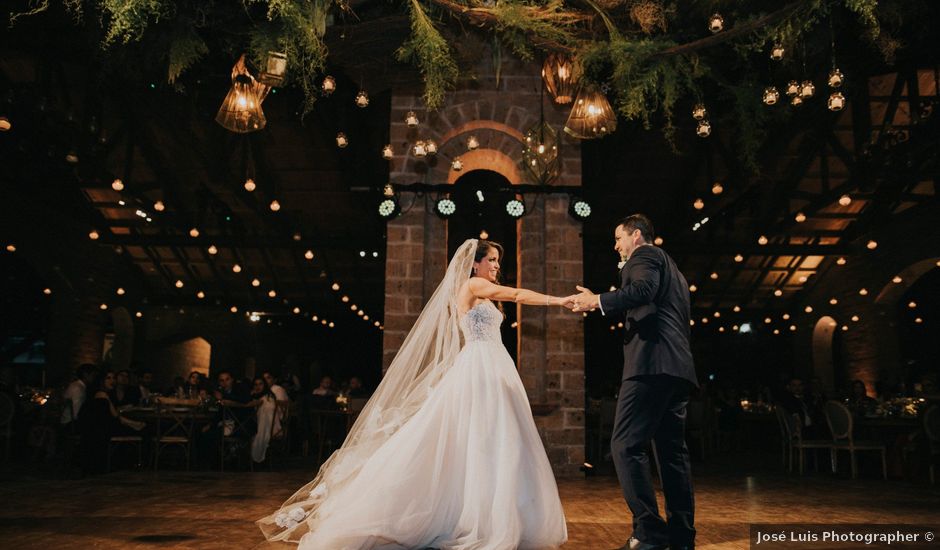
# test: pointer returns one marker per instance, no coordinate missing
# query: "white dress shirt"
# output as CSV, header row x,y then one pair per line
x,y
76,394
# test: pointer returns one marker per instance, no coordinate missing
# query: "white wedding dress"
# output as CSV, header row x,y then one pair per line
x,y
466,472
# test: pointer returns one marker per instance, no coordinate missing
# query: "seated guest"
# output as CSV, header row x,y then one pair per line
x,y
280,393
323,397
266,413
99,422
144,382
74,396
355,389
232,419
124,392
178,389
794,401
325,389
195,385
859,402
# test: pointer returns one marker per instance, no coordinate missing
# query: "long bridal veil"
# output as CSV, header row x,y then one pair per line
x,y
427,352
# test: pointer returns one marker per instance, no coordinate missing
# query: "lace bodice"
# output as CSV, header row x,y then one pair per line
x,y
481,323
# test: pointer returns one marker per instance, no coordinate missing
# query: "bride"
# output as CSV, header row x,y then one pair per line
x,y
446,453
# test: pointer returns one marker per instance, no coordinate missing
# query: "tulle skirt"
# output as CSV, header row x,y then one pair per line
x,y
467,472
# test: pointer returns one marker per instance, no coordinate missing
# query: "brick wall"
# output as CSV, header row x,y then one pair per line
x,y
907,247
549,246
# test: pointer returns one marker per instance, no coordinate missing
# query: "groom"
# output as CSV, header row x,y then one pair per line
x,y
653,302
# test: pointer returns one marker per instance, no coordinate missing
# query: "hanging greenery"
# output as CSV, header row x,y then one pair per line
x,y
647,53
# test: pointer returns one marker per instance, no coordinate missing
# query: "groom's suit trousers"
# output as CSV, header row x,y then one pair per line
x,y
652,408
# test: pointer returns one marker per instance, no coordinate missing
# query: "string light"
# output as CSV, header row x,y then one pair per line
x,y
275,206
179,283
117,185
308,254
256,282
93,235
213,250
194,232
845,200
272,294
897,280
250,185
200,295
159,206
738,258
841,261
237,268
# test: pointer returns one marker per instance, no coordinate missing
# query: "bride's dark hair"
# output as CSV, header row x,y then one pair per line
x,y
483,248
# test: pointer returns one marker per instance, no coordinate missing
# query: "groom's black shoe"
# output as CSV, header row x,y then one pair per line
x,y
635,544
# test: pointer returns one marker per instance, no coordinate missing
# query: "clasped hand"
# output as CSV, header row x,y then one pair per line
x,y
585,301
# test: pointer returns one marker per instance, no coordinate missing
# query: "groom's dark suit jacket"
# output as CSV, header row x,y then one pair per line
x,y
654,300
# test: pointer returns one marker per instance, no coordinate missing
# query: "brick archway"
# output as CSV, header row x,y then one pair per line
x,y
488,159
549,253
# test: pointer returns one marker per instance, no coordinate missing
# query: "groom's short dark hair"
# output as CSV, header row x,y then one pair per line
x,y
641,222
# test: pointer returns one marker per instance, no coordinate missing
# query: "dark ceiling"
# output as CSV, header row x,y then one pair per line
x,y
164,145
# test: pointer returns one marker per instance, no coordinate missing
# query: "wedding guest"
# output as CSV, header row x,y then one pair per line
x,y
195,385
144,383
74,396
859,401
280,393
355,388
266,411
178,389
325,389
99,421
794,401
124,392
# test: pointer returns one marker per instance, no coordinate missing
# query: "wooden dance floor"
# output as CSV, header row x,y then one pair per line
x,y
198,510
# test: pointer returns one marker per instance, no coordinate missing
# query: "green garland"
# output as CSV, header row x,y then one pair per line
x,y
648,67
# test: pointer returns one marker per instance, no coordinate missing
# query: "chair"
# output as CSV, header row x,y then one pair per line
x,y
932,429
174,429
841,423
794,426
118,440
237,421
7,408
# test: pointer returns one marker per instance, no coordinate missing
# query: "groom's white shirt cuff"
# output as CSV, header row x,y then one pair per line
x,y
600,305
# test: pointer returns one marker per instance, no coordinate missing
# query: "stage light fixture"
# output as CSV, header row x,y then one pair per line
x,y
515,208
445,208
579,209
389,208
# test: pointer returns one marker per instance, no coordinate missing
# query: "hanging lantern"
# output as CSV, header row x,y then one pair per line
x,y
807,89
473,143
716,23
836,101
241,109
561,74
777,51
836,78
540,153
592,116
431,147
362,99
275,67
328,86
771,95
387,152
704,129
420,150
411,119
698,111
341,140
793,88
456,165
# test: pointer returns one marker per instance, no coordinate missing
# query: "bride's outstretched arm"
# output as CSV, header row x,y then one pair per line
x,y
481,288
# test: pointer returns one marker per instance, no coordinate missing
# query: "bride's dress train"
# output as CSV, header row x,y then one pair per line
x,y
466,472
